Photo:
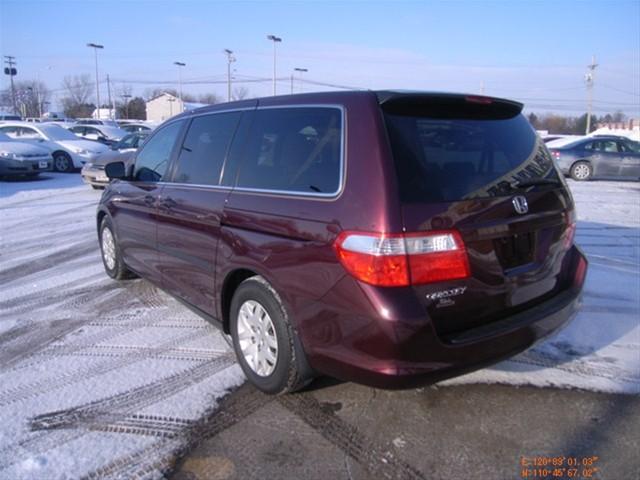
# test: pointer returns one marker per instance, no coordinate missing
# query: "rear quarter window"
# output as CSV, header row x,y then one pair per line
x,y
294,150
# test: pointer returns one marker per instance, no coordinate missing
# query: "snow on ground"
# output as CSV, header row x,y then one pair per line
x,y
96,377
109,379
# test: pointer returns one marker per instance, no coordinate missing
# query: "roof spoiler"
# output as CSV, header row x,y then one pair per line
x,y
448,105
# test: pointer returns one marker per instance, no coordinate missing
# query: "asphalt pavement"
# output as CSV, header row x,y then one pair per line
x,y
347,431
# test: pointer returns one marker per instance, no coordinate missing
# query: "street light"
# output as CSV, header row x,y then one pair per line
x,y
301,70
126,97
230,59
180,64
275,40
95,47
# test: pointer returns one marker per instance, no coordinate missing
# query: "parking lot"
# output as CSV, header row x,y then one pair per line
x,y
107,379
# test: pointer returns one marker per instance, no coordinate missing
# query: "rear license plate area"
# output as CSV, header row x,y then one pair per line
x,y
515,250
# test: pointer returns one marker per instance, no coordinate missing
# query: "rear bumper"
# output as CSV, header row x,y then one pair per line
x,y
406,352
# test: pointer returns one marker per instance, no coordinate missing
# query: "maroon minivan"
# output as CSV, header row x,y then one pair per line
x,y
388,238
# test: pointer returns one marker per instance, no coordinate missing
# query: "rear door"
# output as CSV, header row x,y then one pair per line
x,y
458,162
136,202
630,151
605,158
190,210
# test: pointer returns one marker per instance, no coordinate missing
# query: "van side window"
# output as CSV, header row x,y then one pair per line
x,y
205,147
293,150
153,159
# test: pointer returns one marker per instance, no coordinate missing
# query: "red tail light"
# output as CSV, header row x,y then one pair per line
x,y
395,260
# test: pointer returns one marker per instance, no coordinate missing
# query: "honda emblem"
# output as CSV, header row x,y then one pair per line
x,y
520,204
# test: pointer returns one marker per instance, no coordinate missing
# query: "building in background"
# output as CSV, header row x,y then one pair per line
x,y
165,106
103,114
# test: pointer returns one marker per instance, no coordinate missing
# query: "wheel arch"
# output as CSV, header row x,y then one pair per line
x,y
230,284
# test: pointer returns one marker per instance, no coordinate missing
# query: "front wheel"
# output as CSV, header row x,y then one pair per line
x,y
581,171
265,343
62,162
111,258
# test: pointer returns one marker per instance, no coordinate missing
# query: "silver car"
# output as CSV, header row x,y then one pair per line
x,y
22,159
69,152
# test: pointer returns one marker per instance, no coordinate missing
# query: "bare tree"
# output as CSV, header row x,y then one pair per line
x,y
240,93
31,95
78,91
209,98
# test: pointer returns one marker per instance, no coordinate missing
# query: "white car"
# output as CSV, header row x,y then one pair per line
x,y
69,152
22,159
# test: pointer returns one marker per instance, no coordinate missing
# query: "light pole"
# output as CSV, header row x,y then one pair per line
x,y
95,47
126,97
301,70
230,60
275,40
171,100
179,65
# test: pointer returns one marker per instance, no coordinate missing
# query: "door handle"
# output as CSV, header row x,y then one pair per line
x,y
168,203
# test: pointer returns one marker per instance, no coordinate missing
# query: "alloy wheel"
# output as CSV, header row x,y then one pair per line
x,y
108,249
257,338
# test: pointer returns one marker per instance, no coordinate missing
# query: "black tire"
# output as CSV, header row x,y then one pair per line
x,y
117,271
581,171
291,372
62,162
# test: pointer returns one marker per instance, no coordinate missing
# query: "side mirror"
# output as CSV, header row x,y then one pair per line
x,y
115,170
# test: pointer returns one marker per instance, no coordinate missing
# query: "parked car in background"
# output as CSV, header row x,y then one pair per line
x,y
389,238
9,117
599,156
99,133
136,127
69,152
123,151
33,120
22,159
94,121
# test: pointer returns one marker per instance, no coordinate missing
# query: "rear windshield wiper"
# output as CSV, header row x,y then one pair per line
x,y
531,182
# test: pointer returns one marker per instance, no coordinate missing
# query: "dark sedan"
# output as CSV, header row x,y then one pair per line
x,y
598,157
93,172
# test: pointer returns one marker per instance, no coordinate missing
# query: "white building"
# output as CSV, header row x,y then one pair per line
x,y
165,106
103,114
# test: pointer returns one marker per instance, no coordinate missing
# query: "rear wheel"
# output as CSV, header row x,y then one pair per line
x,y
62,162
111,258
581,171
265,343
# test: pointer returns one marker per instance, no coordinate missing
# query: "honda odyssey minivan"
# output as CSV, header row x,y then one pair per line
x,y
388,238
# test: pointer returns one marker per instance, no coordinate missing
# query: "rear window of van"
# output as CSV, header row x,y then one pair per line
x,y
449,159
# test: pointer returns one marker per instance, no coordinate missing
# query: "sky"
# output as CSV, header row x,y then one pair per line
x,y
536,52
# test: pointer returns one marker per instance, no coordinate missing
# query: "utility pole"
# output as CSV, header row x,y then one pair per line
x,y
275,40
95,47
109,100
589,77
230,60
12,72
126,97
180,65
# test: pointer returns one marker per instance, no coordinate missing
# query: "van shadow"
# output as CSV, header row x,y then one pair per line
x,y
610,306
